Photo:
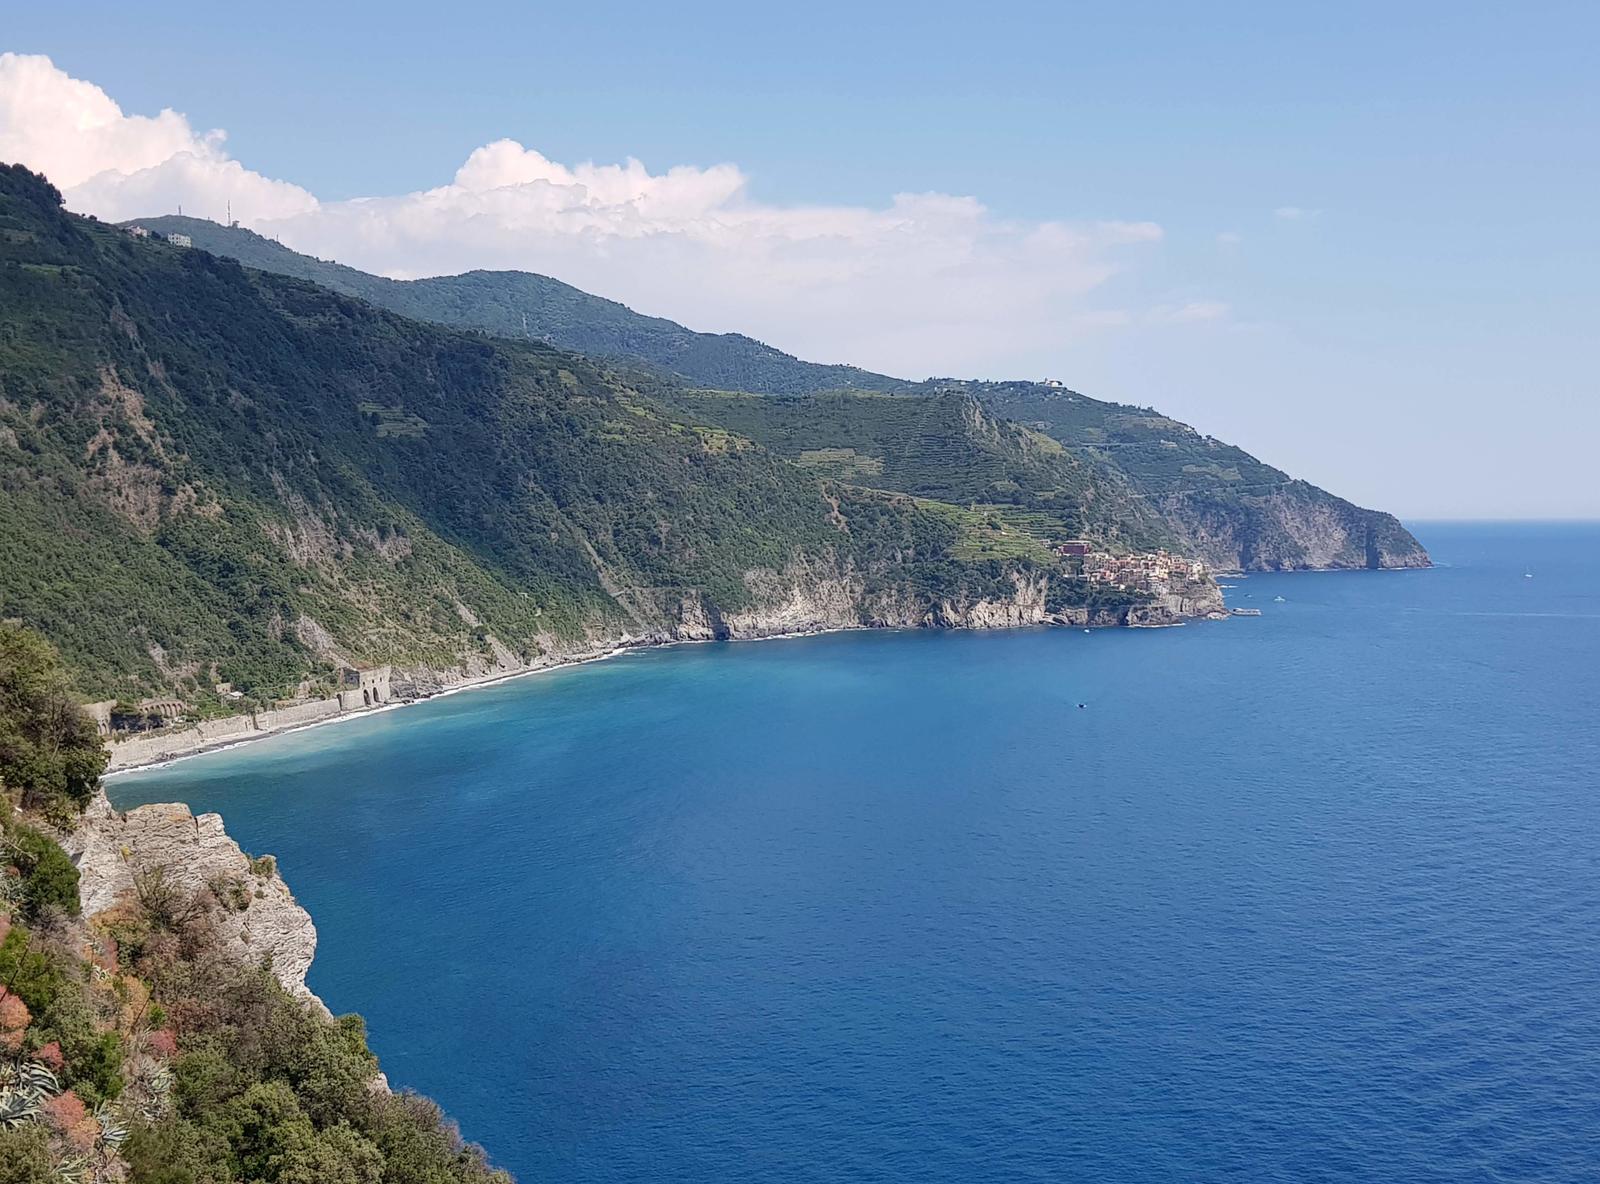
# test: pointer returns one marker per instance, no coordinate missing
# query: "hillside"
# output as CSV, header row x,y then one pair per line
x,y
228,485
524,306
155,1026
1220,502
944,448
1214,500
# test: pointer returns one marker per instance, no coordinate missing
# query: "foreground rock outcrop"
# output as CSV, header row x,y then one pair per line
x,y
119,855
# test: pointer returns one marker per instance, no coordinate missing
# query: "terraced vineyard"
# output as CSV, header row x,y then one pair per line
x,y
986,532
1128,473
942,448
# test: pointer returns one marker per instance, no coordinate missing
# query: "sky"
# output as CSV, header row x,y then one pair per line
x,y
1359,240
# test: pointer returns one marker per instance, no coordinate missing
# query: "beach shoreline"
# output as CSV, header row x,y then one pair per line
x,y
202,747
163,749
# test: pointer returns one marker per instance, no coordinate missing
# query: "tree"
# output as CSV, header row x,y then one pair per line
x,y
25,1156
49,879
49,749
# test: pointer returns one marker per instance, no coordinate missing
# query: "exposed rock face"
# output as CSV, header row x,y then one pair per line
x,y
258,918
809,598
806,597
1296,527
817,596
1025,606
810,595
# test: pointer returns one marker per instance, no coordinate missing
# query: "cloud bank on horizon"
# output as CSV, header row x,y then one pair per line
x,y
929,283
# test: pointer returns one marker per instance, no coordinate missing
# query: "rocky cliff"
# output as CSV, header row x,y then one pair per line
x,y
809,595
1220,503
812,597
1292,527
166,848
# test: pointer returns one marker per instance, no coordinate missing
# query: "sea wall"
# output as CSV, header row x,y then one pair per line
x,y
144,750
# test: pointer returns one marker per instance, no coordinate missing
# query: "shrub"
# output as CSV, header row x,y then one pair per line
x,y
25,1156
72,1121
162,1043
49,1055
14,1021
49,750
49,881
204,1080
32,970
337,1155
95,1070
177,1152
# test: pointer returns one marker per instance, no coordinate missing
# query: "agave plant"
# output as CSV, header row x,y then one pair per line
x,y
158,1093
74,1170
112,1132
18,1106
36,1075
25,1086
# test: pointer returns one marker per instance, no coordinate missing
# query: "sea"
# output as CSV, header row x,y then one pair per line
x,y
1309,896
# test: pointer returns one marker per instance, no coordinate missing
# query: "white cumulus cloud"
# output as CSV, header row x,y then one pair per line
x,y
929,283
117,165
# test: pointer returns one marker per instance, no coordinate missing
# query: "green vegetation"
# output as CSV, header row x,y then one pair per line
x,y
133,1047
50,753
48,883
998,532
941,448
1211,498
1220,502
210,475
522,306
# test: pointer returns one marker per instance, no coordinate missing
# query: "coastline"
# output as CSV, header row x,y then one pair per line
x,y
189,746
150,753
471,683
217,735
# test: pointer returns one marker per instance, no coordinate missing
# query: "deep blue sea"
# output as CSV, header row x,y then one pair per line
x,y
1314,896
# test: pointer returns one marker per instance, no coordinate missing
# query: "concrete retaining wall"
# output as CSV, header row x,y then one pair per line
x,y
300,713
143,750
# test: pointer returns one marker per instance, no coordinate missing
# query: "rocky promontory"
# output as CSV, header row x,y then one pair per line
x,y
165,847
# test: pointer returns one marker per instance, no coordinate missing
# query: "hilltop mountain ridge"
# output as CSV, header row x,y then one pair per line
x,y
1213,500
523,305
229,486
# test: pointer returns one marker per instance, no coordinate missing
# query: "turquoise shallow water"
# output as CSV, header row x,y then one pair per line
x,y
1314,896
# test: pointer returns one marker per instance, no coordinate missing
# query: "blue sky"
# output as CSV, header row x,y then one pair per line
x,y
1377,252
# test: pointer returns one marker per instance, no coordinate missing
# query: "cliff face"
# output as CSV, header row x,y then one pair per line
x,y
812,598
166,848
1294,527
1220,503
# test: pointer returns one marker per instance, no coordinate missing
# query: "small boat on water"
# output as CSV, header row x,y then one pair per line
x,y
1277,600
1244,612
